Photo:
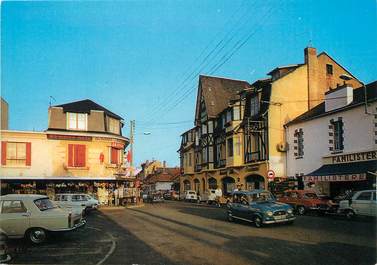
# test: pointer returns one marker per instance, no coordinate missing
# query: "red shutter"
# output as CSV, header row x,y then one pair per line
x,y
28,154
114,156
70,155
80,155
3,153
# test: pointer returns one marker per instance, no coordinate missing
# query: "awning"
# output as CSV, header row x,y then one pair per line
x,y
355,171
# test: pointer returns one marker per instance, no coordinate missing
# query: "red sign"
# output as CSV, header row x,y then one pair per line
x,y
334,178
270,174
117,145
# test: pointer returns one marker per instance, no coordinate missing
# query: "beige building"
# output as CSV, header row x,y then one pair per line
x,y
239,136
4,115
82,149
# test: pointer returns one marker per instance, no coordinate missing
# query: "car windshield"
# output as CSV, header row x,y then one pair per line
x,y
261,197
311,195
44,204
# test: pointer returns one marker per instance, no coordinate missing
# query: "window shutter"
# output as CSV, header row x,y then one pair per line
x,y
114,156
3,153
81,154
70,155
28,154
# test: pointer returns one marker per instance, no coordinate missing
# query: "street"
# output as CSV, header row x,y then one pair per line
x,y
185,233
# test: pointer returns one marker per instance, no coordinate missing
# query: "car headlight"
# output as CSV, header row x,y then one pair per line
x,y
290,211
269,213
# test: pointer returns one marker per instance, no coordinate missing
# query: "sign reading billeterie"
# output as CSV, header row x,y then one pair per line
x,y
348,177
68,137
355,157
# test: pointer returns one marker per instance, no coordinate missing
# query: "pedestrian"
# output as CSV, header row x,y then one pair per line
x,y
218,194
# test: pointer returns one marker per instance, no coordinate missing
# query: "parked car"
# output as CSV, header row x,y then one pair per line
x,y
361,203
34,217
79,201
208,196
305,200
259,207
190,195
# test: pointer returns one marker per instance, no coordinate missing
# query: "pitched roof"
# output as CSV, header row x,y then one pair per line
x,y
218,91
358,99
163,175
85,106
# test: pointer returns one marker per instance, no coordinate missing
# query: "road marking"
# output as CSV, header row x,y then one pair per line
x,y
111,251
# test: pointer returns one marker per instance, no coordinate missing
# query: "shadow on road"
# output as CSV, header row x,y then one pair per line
x,y
89,245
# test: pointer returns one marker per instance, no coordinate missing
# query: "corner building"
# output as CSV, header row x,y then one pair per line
x,y
239,136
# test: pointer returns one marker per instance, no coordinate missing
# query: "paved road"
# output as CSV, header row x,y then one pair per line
x,y
184,233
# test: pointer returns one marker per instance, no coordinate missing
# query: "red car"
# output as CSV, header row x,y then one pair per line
x,y
305,200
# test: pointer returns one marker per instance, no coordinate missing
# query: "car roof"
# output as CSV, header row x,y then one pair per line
x,y
249,192
22,196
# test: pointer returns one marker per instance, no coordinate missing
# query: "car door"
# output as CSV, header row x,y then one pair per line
x,y
373,203
15,218
236,206
361,204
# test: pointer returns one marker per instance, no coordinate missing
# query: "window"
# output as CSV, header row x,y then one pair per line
x,y
16,153
338,135
236,113
76,155
329,69
189,159
204,128
365,196
254,106
210,126
210,154
78,198
44,204
13,207
230,147
237,146
228,116
114,156
77,121
114,126
300,143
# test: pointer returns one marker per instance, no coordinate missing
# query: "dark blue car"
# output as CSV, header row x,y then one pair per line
x,y
259,207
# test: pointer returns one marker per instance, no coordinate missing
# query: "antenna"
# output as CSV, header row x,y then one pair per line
x,y
51,98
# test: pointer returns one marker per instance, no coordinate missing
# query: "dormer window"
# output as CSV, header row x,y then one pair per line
x,y
113,126
254,106
77,121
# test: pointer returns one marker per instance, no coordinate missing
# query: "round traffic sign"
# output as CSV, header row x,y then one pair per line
x,y
270,174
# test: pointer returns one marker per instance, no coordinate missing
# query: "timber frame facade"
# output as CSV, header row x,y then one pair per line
x,y
238,134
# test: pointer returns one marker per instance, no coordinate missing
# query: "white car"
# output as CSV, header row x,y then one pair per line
x,y
78,202
362,203
208,196
190,195
34,216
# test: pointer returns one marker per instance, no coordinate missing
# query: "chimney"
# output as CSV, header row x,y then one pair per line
x,y
338,97
314,91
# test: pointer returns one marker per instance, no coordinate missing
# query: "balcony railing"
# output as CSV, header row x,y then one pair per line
x,y
220,163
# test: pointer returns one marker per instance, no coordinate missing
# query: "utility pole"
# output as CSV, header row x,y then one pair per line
x,y
132,133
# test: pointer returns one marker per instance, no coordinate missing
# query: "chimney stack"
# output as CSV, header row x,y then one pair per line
x,y
314,91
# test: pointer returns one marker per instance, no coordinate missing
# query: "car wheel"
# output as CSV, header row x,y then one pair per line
x,y
258,221
350,214
37,235
230,217
301,210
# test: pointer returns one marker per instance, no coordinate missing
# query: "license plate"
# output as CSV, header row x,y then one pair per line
x,y
280,217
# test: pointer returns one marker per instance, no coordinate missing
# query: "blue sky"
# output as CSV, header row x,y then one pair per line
x,y
133,56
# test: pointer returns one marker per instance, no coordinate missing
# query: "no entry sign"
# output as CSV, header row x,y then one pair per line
x,y
270,175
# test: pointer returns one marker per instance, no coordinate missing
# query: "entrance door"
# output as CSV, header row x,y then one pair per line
x,y
15,219
228,185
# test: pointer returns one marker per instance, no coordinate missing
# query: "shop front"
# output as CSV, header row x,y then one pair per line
x,y
345,172
109,191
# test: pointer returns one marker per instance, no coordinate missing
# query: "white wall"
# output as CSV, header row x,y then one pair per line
x,y
359,135
163,185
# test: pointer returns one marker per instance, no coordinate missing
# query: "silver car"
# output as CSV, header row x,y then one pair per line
x,y
34,217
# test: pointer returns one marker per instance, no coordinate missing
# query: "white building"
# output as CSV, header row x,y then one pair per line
x,y
334,145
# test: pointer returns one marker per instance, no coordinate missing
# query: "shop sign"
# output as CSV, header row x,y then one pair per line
x,y
117,145
333,178
68,137
354,157
255,168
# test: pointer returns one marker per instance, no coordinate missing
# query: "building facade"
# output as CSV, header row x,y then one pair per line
x,y
239,136
334,145
82,150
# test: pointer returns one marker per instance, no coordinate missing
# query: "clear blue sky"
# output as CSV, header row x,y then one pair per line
x,y
130,56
